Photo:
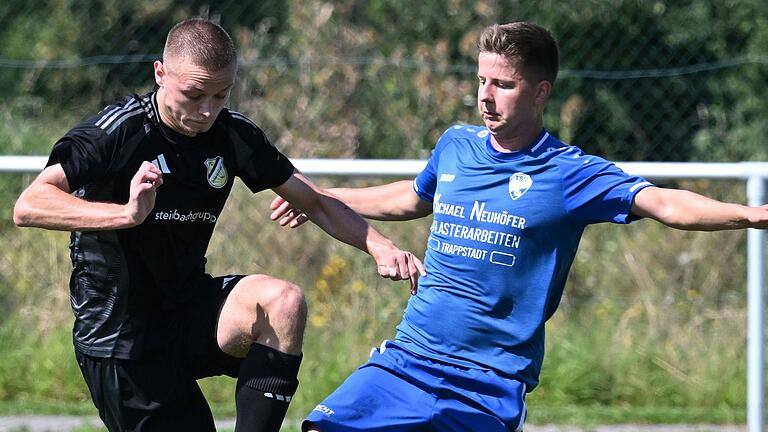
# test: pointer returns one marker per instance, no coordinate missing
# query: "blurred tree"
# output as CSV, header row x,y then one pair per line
x,y
75,56
660,115
641,79
731,120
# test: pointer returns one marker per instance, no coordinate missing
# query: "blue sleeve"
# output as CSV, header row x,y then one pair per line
x,y
596,190
426,182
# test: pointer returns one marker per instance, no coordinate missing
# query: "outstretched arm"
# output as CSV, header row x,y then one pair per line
x,y
47,203
390,202
341,222
687,210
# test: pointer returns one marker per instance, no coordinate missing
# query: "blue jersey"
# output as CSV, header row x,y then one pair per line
x,y
505,230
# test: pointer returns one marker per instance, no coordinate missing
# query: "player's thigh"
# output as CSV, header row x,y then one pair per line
x,y
202,354
373,399
476,399
151,394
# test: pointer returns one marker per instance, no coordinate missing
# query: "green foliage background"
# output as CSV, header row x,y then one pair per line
x,y
652,325
384,78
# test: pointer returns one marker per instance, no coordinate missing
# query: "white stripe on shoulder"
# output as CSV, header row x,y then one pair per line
x,y
107,114
541,141
148,100
123,118
242,117
639,185
107,119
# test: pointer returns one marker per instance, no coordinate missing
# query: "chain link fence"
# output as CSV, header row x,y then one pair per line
x,y
640,80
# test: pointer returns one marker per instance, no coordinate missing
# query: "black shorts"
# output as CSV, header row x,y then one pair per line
x,y
159,391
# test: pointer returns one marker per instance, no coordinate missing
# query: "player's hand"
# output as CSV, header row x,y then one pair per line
x,y
286,214
397,265
761,217
144,186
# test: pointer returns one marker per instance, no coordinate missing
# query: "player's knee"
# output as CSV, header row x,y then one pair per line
x,y
270,305
282,301
286,317
292,301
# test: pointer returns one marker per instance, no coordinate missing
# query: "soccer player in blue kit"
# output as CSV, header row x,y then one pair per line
x,y
510,203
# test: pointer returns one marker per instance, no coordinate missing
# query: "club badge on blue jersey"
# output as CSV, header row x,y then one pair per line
x,y
519,183
216,172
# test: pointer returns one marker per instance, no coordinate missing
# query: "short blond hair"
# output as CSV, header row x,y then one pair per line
x,y
202,42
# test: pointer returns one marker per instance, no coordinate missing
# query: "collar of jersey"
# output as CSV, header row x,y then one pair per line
x,y
176,137
533,148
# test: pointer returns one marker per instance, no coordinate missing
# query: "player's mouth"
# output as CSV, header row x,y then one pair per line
x,y
198,123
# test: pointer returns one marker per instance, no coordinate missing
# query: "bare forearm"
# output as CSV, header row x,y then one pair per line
x,y
713,216
394,201
690,211
342,223
338,220
50,208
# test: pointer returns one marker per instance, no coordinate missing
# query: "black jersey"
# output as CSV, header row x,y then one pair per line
x,y
126,284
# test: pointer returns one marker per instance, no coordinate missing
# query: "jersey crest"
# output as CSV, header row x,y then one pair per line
x,y
216,172
519,183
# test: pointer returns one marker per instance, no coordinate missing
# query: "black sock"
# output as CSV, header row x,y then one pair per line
x,y
265,386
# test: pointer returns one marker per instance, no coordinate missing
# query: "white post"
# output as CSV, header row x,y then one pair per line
x,y
756,319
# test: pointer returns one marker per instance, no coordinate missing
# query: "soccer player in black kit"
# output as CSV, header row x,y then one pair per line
x,y
141,186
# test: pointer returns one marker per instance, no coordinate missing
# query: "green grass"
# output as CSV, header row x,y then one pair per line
x,y
593,415
51,407
539,413
651,329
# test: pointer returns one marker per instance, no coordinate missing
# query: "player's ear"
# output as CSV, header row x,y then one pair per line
x,y
160,73
543,90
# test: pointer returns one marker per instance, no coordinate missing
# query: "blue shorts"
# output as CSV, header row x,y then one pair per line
x,y
400,391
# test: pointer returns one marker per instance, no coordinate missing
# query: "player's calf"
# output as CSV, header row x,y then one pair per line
x,y
265,386
263,320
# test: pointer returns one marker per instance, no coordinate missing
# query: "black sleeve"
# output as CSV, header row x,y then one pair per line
x,y
260,165
85,153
